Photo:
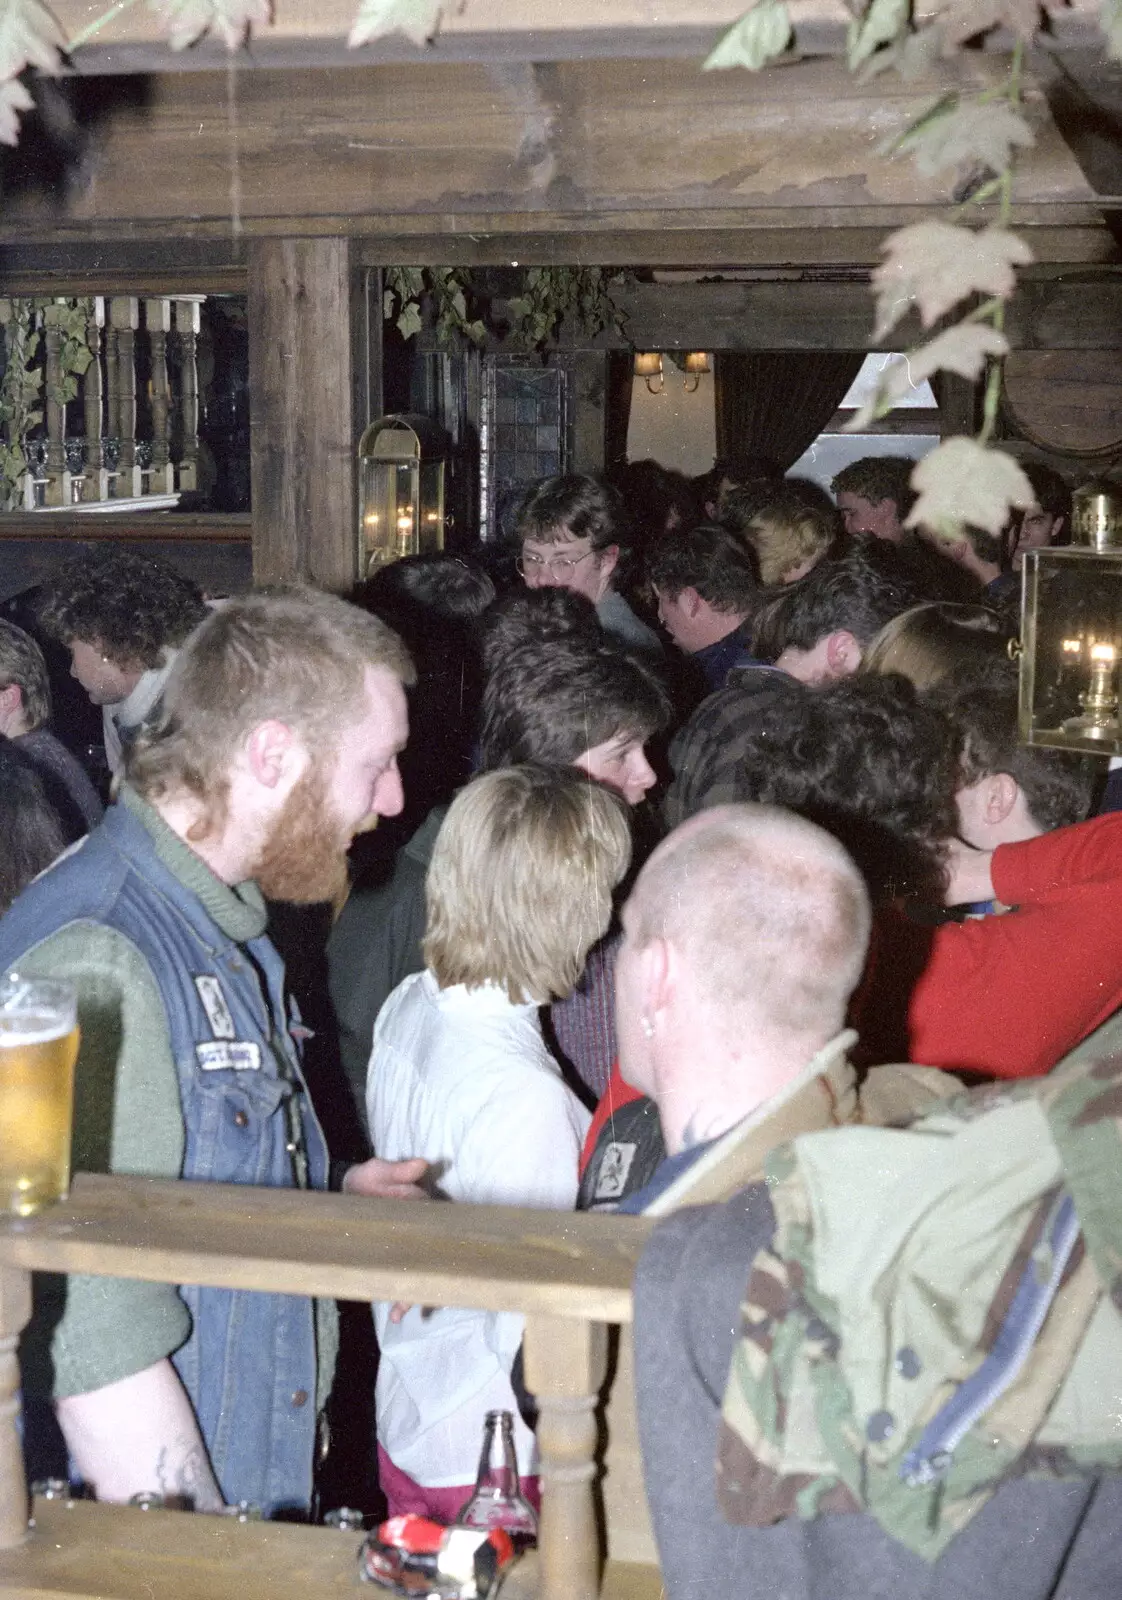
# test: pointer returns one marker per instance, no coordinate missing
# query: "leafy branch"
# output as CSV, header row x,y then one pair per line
x,y
24,386
448,287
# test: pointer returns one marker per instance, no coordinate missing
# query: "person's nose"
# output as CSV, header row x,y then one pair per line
x,y
640,772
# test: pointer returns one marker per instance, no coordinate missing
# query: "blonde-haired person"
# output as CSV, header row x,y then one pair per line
x,y
788,530
518,890
928,644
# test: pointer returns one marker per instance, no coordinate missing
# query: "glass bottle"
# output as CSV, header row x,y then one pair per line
x,y
497,1500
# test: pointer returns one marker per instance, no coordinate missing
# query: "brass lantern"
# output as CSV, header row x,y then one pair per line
x,y
401,461
1071,631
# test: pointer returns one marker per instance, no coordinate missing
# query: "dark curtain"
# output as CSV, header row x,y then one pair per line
x,y
617,408
776,402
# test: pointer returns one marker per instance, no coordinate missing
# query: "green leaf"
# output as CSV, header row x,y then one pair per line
x,y
476,332
882,23
186,21
962,482
416,19
757,38
14,99
387,303
933,265
974,132
1110,21
29,37
409,322
964,350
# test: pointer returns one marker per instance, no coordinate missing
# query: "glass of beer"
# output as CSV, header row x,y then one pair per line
x,y
38,1049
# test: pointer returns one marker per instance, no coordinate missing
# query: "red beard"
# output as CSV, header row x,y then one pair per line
x,y
304,858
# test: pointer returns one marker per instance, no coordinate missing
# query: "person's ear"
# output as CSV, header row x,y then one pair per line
x,y
273,753
843,653
609,559
1001,794
657,977
690,601
11,700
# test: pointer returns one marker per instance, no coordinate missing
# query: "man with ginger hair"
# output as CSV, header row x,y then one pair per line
x,y
282,720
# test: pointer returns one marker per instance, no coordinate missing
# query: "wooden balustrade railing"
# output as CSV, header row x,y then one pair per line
x,y
571,1274
108,460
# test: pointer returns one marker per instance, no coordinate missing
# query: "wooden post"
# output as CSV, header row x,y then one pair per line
x,y
157,320
124,316
55,410
15,1311
91,404
187,314
305,373
564,1364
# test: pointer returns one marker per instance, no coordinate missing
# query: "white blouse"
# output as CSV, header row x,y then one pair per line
x,y
462,1077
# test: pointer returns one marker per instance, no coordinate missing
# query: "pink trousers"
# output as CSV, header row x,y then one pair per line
x,y
404,1494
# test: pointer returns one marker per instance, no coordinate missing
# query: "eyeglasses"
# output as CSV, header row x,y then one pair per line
x,y
560,566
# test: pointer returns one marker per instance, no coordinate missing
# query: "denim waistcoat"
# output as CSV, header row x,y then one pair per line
x,y
249,1365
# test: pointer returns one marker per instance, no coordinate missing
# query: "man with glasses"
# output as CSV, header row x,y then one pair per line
x,y
568,531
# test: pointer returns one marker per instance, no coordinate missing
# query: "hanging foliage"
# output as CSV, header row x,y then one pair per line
x,y
23,387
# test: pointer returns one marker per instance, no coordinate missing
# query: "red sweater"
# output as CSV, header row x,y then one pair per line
x,y
616,1095
1008,995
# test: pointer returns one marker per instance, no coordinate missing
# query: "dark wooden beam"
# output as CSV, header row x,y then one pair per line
x,y
584,147
306,374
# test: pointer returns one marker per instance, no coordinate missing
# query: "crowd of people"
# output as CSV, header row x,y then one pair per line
x,y
707,831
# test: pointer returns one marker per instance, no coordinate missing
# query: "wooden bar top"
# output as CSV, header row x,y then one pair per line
x,y
493,1258
79,1551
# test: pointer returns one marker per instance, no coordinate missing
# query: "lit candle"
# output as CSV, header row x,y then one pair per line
x,y
1105,653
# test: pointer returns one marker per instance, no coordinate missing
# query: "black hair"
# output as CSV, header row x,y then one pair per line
x,y
549,700
982,706
876,478
575,504
443,585
719,565
867,760
858,592
1051,491
530,616
29,824
133,607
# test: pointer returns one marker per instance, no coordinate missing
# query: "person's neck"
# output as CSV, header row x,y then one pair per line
x,y
15,725
223,850
712,1087
718,625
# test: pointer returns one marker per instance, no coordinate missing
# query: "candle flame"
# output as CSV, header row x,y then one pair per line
x,y
1104,652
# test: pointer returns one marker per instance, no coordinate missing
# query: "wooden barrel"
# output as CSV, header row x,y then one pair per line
x,y
1066,401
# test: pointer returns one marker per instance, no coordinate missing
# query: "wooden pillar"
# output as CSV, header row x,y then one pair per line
x,y
564,1365
124,315
15,1310
187,315
96,487
306,377
55,409
157,320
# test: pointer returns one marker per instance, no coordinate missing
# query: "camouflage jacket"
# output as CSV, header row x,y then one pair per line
x,y
940,1309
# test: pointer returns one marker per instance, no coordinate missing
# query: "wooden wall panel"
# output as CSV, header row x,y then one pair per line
x,y
305,372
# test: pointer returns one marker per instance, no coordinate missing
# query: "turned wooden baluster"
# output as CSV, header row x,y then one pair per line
x,y
124,316
97,487
15,1311
157,319
564,1366
55,410
187,312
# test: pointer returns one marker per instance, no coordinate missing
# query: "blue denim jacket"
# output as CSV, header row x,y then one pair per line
x,y
249,1364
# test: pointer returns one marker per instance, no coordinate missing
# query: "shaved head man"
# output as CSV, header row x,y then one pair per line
x,y
744,938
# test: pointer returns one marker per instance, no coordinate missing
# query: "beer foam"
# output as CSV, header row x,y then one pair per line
x,y
17,1032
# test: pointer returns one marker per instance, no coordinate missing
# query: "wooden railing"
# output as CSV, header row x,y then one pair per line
x,y
570,1274
108,460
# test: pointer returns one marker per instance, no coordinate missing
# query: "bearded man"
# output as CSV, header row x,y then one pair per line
x,y
282,722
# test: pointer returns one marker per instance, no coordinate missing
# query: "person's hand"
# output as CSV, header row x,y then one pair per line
x,y
387,1180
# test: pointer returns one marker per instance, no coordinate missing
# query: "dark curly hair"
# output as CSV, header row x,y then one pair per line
x,y
982,707
132,607
875,478
867,760
858,592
